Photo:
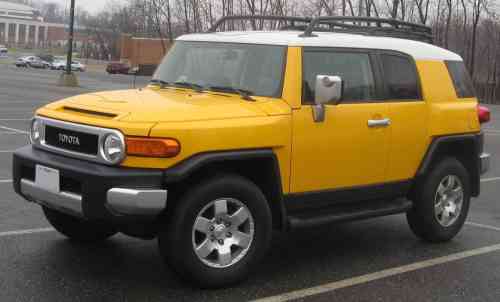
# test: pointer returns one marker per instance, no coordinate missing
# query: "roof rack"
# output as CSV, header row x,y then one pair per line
x,y
287,22
370,26
355,25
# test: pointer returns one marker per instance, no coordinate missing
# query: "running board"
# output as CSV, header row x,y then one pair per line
x,y
348,212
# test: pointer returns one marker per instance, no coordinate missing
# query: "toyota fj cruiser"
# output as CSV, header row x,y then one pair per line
x,y
240,133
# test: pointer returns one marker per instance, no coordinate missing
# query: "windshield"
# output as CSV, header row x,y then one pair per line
x,y
257,69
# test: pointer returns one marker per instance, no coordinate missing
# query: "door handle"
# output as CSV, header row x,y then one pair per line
x,y
379,123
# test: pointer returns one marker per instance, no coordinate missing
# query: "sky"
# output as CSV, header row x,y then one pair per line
x,y
92,6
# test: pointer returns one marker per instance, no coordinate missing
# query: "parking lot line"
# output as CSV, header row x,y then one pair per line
x,y
13,130
484,226
490,179
14,119
3,181
25,232
325,288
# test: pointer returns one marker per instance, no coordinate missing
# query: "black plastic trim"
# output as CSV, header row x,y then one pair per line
x,y
349,212
186,168
94,179
297,202
476,138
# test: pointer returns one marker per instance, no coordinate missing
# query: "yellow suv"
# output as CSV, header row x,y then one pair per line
x,y
243,132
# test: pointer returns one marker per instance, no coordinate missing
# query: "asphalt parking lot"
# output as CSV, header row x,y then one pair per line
x,y
374,260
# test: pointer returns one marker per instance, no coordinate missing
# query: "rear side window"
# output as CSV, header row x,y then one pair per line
x,y
400,77
354,68
461,79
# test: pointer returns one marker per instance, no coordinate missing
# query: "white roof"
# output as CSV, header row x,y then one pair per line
x,y
418,50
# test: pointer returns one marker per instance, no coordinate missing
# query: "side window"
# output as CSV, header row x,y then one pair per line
x,y
353,67
461,79
400,77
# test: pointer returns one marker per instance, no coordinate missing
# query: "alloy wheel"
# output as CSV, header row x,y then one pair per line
x,y
448,200
223,232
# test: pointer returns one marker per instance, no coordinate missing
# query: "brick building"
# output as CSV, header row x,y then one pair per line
x,y
145,53
21,25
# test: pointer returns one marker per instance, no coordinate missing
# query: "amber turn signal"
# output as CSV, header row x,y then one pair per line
x,y
152,147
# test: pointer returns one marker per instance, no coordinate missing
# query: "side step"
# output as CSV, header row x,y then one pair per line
x,y
348,212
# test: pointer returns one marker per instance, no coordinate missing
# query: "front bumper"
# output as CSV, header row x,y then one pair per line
x,y
90,190
484,163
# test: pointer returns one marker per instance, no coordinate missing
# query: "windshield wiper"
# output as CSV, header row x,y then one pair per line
x,y
194,86
161,83
245,94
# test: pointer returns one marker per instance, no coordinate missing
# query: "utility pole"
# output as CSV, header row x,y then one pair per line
x,y
70,39
68,78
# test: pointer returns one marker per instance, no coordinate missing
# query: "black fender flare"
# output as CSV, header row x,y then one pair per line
x,y
189,166
476,139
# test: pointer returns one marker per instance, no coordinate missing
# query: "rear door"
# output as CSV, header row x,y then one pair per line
x,y
407,112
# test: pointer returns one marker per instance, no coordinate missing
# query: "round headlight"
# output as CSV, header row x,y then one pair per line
x,y
35,131
113,148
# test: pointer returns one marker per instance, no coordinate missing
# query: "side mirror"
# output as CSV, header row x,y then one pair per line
x,y
328,89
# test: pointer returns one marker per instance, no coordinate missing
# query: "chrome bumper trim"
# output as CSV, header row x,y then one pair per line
x,y
136,202
64,201
484,162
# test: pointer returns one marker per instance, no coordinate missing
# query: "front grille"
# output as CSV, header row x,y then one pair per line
x,y
75,140
71,140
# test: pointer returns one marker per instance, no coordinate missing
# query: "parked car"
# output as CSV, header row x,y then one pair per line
x,y
117,67
24,61
241,135
61,65
39,63
3,51
58,65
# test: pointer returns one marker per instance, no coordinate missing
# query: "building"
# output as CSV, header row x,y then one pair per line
x,y
22,26
145,53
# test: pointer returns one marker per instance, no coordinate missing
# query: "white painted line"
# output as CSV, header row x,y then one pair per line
x,y
490,179
325,288
7,151
14,130
14,119
491,130
5,181
484,226
25,232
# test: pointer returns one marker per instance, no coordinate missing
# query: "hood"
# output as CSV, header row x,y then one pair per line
x,y
166,105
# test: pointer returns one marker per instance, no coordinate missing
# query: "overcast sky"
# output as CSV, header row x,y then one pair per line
x,y
92,6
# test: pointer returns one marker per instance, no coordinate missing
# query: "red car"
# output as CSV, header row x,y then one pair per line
x,y
117,67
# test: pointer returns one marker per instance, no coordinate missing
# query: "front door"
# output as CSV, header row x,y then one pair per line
x,y
345,150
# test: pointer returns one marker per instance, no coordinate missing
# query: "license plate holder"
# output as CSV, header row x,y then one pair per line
x,y
47,178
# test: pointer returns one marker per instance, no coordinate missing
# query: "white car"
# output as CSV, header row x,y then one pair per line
x,y
61,65
3,51
25,61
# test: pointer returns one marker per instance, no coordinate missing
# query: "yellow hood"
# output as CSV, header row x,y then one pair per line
x,y
167,105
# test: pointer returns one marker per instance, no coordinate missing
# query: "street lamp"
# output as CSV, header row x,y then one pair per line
x,y
68,78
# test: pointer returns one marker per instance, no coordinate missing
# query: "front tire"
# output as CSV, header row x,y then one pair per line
x,y
218,232
442,202
78,229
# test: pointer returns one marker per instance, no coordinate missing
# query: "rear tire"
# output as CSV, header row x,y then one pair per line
x,y
78,229
234,243
442,202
